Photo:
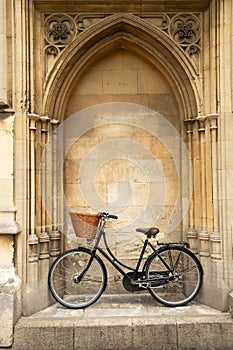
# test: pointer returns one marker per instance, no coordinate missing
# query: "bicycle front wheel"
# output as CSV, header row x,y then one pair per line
x,y
179,284
74,285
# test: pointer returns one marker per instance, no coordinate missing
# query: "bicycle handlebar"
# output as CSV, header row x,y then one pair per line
x,y
110,216
113,217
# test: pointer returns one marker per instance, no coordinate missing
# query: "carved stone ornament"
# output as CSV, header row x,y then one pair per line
x,y
185,29
60,29
51,50
84,21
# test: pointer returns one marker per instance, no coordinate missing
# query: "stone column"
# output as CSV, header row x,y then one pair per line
x,y
32,258
215,237
225,127
10,283
43,235
191,232
203,235
55,234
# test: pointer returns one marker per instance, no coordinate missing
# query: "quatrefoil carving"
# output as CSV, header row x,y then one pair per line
x,y
59,30
185,29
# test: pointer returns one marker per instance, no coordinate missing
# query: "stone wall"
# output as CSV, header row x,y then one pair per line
x,y
69,58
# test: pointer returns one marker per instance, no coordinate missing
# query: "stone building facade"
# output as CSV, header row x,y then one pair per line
x,y
112,60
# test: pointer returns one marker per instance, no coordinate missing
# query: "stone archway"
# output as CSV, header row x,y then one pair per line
x,y
138,38
123,35
136,35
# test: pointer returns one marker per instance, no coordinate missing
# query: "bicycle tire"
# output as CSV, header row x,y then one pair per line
x,y
70,264
188,276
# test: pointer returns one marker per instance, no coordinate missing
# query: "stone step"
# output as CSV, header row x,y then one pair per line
x,y
120,322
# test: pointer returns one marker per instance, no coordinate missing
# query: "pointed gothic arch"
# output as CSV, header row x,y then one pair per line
x,y
133,34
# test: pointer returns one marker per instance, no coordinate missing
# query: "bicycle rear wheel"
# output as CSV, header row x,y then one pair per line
x,y
185,276
64,282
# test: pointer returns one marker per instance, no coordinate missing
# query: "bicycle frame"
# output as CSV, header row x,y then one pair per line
x,y
119,265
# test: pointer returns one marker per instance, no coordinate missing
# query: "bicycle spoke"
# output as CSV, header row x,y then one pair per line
x,y
66,289
185,277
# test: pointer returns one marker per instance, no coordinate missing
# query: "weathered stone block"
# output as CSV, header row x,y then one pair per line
x,y
43,335
119,83
107,334
91,83
10,305
152,82
205,335
6,319
154,333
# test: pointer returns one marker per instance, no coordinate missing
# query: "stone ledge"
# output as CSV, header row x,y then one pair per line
x,y
8,224
10,228
5,110
135,324
131,333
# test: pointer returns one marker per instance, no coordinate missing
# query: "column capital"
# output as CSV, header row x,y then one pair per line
x,y
212,116
213,120
33,117
44,120
201,119
189,125
54,121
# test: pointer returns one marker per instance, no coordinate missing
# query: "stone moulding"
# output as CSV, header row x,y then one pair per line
x,y
121,5
8,225
62,28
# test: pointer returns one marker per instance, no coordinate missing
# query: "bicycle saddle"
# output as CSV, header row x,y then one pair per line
x,y
149,232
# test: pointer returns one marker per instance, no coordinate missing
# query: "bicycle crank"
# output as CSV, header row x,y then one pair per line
x,y
130,285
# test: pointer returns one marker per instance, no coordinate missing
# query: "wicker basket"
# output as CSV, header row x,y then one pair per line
x,y
85,225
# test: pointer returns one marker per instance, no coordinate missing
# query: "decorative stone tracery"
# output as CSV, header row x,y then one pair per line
x,y
185,29
61,29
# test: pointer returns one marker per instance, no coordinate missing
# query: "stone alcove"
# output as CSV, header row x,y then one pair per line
x,y
123,59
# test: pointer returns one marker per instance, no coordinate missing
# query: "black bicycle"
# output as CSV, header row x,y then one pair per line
x,y
172,273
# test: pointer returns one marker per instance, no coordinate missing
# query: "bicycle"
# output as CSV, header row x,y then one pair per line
x,y
172,274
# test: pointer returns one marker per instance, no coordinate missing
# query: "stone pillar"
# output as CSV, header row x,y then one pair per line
x,y
203,235
10,283
31,289
43,235
55,234
191,232
215,237
225,142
